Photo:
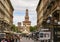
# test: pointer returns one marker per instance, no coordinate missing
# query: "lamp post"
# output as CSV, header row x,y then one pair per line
x,y
50,24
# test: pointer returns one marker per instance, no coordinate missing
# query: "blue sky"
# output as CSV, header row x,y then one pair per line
x,y
20,7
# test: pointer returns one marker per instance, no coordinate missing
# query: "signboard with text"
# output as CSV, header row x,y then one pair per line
x,y
2,35
44,35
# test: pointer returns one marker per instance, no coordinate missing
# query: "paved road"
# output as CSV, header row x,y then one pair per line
x,y
26,40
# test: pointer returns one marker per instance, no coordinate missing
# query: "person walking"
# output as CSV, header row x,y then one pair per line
x,y
20,38
3,40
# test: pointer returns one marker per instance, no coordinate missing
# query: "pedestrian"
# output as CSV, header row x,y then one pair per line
x,y
8,40
20,38
11,40
0,39
3,40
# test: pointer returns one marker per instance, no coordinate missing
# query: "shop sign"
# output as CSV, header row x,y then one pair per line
x,y
44,35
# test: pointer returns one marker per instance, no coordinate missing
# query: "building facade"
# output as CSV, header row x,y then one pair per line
x,y
20,28
42,5
48,16
27,23
6,15
52,18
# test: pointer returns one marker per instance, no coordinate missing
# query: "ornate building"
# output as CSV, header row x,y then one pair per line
x,y
27,23
47,9
6,15
52,19
48,16
42,5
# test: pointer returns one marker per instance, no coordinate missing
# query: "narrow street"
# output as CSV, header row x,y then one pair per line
x,y
29,20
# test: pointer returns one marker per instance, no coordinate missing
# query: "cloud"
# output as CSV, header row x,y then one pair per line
x,y
19,10
24,3
33,18
18,18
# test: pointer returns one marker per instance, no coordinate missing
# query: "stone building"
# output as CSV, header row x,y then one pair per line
x,y
45,9
48,16
27,23
52,19
42,5
20,28
6,15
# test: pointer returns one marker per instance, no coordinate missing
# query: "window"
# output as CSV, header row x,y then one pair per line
x,y
41,35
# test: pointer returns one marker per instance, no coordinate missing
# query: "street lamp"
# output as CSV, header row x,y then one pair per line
x,y
58,23
50,26
49,21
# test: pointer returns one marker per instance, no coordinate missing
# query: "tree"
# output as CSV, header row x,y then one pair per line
x,y
33,28
14,28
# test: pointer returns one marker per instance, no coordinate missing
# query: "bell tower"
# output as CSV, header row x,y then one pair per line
x,y
26,22
26,16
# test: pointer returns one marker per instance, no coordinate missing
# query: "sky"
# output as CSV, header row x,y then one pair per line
x,y
20,7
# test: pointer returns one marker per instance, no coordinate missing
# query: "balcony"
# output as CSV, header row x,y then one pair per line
x,y
50,8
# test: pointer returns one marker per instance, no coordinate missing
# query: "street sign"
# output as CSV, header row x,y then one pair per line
x,y
44,35
2,35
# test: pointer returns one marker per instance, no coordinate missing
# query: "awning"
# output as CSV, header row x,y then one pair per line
x,y
6,31
9,32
